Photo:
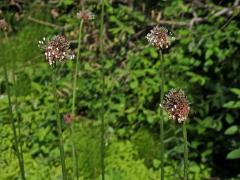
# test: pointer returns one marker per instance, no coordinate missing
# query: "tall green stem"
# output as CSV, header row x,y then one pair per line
x,y
16,142
185,151
59,124
18,116
17,111
103,93
74,152
161,115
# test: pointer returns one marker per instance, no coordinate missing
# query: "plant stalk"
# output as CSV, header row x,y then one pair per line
x,y
16,142
161,115
59,124
18,117
185,151
74,152
102,150
18,113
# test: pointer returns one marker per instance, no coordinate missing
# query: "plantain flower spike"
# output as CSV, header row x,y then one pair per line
x,y
3,25
56,50
160,37
85,15
176,104
68,118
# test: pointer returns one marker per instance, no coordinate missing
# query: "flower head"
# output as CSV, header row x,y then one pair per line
x,y
176,105
85,15
160,37
3,25
56,49
68,118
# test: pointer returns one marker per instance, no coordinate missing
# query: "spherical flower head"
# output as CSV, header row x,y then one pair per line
x,y
3,25
56,49
175,103
68,118
160,37
85,15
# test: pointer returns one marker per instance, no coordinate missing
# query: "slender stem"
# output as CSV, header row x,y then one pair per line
x,y
16,142
185,151
17,111
74,152
59,124
161,115
18,145
18,116
103,93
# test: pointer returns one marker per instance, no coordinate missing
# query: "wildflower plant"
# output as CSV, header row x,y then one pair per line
x,y
57,51
161,39
177,106
85,15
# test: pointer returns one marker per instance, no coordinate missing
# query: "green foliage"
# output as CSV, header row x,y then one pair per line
x,y
146,145
233,104
122,156
203,61
235,154
231,130
88,149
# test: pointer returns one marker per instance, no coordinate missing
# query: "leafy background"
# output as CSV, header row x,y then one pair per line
x,y
203,61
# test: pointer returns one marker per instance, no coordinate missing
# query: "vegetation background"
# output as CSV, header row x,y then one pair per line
x,y
203,61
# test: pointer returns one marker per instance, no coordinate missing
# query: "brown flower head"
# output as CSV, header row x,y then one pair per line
x,y
85,15
56,49
54,12
3,25
68,118
160,37
176,105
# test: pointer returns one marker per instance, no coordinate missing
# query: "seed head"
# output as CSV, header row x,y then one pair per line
x,y
85,15
3,25
175,103
68,118
56,49
160,37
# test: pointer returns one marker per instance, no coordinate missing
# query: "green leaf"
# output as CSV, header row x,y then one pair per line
x,y
68,2
208,53
231,130
153,53
229,118
156,163
232,105
235,91
235,154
